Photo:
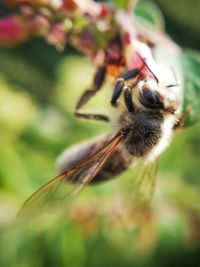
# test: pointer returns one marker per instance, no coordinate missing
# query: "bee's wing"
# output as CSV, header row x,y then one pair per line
x,y
71,182
139,187
146,185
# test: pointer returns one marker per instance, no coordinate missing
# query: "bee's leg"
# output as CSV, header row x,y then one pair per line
x,y
92,116
117,90
128,99
99,78
131,74
181,119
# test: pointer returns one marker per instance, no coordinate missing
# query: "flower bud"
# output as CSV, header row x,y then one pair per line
x,y
40,25
57,36
13,30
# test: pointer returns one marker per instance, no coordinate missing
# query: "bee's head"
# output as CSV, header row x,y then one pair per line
x,y
154,96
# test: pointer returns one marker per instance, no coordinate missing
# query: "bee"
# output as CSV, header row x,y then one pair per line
x,y
142,127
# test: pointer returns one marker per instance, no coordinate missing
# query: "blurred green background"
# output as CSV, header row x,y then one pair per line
x,y
38,91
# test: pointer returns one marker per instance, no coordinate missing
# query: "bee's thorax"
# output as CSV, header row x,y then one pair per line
x,y
145,131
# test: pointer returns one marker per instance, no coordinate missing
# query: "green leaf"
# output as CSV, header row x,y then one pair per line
x,y
191,69
148,14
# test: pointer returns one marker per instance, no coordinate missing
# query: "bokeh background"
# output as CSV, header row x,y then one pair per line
x,y
38,91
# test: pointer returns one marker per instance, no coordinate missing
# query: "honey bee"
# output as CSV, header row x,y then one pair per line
x,y
141,130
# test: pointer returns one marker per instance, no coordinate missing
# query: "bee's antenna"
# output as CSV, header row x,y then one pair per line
x,y
147,67
172,85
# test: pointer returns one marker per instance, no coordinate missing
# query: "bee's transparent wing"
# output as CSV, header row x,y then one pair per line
x,y
146,184
139,187
68,184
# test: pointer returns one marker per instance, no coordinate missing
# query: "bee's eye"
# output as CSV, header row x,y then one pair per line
x,y
149,96
150,99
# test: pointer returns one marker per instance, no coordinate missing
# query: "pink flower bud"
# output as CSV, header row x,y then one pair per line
x,y
57,36
13,30
40,25
104,10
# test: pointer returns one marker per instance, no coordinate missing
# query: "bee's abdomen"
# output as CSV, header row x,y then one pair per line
x,y
116,164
